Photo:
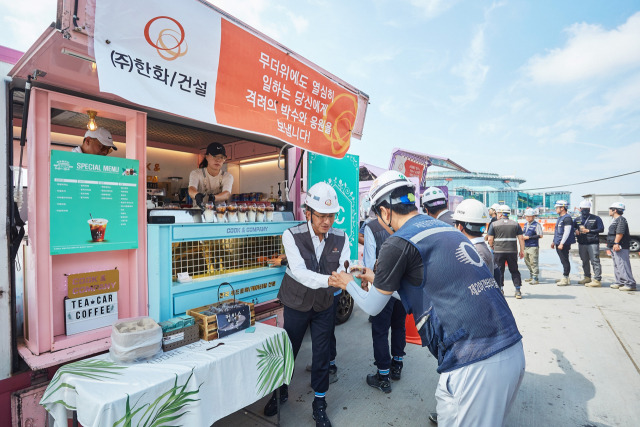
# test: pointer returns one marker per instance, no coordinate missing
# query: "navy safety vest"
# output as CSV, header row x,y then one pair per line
x,y
531,230
294,294
590,222
379,234
460,313
557,236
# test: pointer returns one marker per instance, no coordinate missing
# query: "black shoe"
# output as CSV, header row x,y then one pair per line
x,y
433,417
396,370
271,408
379,381
320,413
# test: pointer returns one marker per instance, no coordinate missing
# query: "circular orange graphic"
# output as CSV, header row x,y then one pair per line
x,y
340,135
175,39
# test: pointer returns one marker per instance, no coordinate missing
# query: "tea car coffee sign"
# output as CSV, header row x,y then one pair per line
x,y
94,203
90,312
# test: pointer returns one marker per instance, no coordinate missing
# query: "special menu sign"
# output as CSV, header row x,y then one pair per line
x,y
94,203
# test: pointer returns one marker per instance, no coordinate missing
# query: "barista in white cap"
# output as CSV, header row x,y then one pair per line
x,y
97,141
314,251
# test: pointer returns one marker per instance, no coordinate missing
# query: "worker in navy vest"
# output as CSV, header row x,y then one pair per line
x,y
532,232
388,360
619,242
563,237
460,313
434,204
314,250
588,228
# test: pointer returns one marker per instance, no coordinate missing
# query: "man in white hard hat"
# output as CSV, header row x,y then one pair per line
x,y
314,251
460,313
563,237
618,241
588,228
471,217
504,237
532,233
434,204
97,141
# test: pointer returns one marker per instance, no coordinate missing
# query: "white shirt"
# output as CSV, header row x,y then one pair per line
x,y
297,266
207,184
77,149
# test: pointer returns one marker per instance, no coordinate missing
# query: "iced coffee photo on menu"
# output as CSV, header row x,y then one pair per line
x,y
98,227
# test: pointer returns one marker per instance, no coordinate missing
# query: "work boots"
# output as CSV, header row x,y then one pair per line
x,y
320,413
564,282
271,408
396,370
380,382
585,280
593,284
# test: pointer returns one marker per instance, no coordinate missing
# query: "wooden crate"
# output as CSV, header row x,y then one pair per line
x,y
208,325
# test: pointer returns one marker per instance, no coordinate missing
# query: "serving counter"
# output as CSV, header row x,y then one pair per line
x,y
212,254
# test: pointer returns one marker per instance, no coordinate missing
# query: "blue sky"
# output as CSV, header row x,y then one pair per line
x,y
546,90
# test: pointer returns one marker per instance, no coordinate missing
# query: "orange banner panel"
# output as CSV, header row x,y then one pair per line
x,y
262,89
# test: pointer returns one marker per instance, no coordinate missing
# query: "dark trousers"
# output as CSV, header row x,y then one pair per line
x,y
511,258
564,259
333,352
392,316
322,324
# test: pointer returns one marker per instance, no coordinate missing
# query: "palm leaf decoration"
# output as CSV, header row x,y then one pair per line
x,y
167,408
92,369
275,363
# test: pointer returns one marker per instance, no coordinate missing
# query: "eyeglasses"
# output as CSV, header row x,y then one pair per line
x,y
325,217
102,149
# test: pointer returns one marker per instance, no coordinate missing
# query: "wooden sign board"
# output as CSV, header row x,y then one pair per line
x,y
94,283
90,312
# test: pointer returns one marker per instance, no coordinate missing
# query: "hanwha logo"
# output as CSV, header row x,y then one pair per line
x,y
466,254
169,42
344,122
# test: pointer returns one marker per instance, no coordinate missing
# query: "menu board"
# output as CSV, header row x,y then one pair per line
x,y
94,203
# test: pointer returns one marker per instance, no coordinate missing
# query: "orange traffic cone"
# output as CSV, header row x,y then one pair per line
x,y
411,331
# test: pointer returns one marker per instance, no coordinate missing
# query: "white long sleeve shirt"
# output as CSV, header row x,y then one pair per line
x,y
297,266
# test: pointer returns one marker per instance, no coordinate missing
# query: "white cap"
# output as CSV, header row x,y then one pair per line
x,y
529,212
561,204
322,198
102,135
585,204
495,206
472,211
384,184
504,209
433,196
617,205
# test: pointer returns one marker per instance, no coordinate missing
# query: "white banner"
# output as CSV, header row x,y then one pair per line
x,y
159,55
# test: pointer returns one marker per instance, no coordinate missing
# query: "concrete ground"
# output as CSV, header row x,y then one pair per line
x,y
582,348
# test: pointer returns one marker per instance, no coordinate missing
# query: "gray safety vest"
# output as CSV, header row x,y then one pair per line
x,y
505,232
299,297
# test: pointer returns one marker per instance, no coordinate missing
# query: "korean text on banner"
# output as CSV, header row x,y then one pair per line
x,y
187,59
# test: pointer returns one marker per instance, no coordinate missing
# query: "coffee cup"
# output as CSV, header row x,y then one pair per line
x,y
98,227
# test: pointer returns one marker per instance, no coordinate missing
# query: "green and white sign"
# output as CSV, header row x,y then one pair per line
x,y
94,203
344,176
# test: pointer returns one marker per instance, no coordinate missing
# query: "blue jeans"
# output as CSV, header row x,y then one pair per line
x,y
392,316
322,324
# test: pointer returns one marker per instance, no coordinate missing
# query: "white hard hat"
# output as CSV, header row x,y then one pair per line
x,y
561,204
433,196
617,205
102,135
495,206
472,211
385,183
584,204
322,198
529,212
504,209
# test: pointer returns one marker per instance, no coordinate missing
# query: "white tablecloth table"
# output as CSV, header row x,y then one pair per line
x,y
188,386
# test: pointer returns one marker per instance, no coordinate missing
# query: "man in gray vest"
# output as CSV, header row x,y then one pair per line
x,y
314,251
504,235
434,204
